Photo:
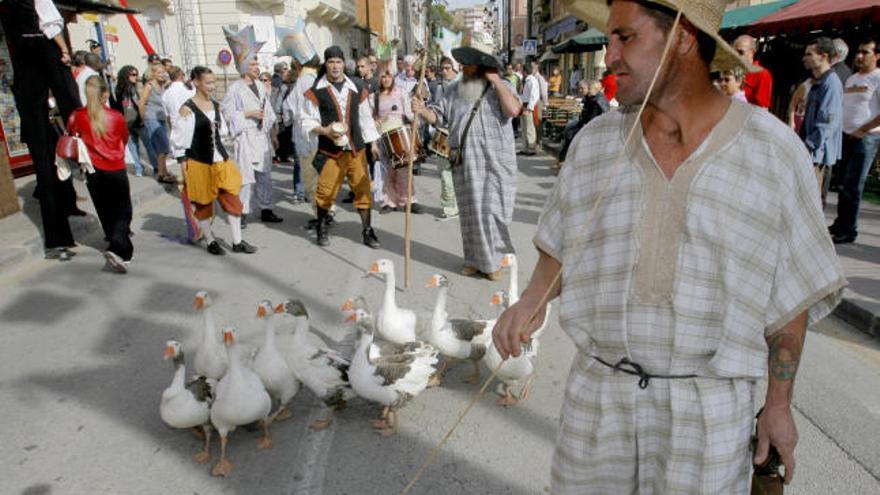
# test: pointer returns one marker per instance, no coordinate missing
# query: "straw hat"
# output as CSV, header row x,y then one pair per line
x,y
475,50
705,15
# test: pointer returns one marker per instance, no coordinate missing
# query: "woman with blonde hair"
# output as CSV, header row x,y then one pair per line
x,y
104,132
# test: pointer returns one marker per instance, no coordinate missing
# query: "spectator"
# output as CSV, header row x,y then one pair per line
x,y
127,98
93,67
104,133
173,99
822,126
538,113
155,127
367,75
279,70
266,79
758,85
731,82
554,82
95,48
797,107
861,139
78,63
530,98
593,103
609,86
285,133
400,64
838,63
574,78
406,79
167,63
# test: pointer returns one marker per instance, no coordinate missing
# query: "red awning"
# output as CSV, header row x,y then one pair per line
x,y
815,14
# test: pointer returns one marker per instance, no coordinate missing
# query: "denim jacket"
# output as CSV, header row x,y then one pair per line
x,y
822,130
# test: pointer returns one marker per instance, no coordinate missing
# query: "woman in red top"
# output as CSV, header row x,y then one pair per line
x,y
105,133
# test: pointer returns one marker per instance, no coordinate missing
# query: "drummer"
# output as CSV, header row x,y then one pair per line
x,y
394,112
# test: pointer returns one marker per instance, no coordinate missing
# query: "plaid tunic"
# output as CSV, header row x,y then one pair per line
x,y
684,276
485,183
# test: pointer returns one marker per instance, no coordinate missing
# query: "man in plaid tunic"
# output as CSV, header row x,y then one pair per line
x,y
696,276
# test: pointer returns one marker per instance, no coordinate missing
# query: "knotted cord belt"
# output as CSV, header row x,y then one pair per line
x,y
636,369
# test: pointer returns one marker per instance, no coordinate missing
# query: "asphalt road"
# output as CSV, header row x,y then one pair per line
x,y
82,369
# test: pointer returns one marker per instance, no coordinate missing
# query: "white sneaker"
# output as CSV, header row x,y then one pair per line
x,y
115,262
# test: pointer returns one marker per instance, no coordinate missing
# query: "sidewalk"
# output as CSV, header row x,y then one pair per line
x,y
21,239
861,264
21,243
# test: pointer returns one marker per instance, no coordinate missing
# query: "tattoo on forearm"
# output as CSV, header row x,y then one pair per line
x,y
785,355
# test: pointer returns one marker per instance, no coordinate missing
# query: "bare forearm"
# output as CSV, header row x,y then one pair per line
x,y
543,275
62,44
870,125
785,347
510,103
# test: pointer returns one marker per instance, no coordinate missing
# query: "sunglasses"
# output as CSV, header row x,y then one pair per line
x,y
265,80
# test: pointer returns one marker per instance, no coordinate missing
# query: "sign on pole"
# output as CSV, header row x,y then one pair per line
x,y
530,47
224,57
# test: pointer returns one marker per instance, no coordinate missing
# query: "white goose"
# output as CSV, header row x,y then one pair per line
x,y
322,370
240,399
509,261
394,324
187,405
269,364
380,347
514,370
210,358
391,380
456,338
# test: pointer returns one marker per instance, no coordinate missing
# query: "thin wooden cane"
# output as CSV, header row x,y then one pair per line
x,y
546,296
407,236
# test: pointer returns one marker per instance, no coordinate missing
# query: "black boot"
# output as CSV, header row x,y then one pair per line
x,y
370,239
269,216
321,227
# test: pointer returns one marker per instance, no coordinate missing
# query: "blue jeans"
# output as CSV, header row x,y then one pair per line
x,y
135,138
155,133
859,155
299,190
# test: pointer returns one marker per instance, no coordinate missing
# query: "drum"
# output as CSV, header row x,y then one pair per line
x,y
397,144
439,145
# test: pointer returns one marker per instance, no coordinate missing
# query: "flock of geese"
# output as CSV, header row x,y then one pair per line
x,y
396,357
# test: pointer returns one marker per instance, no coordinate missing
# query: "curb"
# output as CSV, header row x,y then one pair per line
x,y
856,314
12,257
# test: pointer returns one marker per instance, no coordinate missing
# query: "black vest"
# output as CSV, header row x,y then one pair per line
x,y
20,17
205,135
330,112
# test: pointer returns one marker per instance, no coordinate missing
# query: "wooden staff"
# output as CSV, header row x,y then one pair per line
x,y
407,236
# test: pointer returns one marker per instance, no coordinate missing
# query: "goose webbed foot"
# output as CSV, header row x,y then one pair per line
x,y
281,414
508,399
322,423
391,425
202,456
434,381
264,442
222,468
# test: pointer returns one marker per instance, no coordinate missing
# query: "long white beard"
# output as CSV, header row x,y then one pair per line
x,y
470,90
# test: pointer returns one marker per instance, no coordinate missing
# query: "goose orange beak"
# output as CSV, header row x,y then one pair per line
x,y
505,262
228,338
348,306
374,268
198,303
496,300
261,312
169,352
352,317
279,308
432,283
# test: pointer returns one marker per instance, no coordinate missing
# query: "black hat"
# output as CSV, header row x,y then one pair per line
x,y
474,51
153,57
333,52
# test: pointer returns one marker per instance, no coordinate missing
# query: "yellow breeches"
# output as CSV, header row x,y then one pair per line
x,y
204,181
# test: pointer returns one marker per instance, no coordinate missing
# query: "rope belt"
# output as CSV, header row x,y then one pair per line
x,y
636,370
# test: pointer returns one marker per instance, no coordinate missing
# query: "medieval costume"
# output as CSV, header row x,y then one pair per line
x,y
252,136
210,174
341,105
485,181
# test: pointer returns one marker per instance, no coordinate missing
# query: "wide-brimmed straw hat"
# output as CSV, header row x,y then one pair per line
x,y
705,15
474,50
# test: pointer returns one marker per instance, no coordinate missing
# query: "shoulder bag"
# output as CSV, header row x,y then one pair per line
x,y
457,154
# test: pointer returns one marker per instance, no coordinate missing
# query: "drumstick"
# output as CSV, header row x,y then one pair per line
x,y
407,236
